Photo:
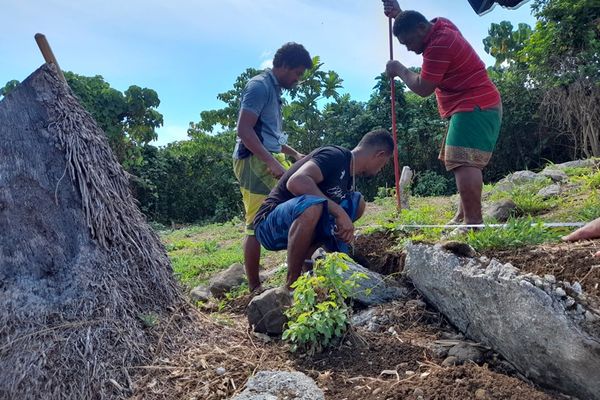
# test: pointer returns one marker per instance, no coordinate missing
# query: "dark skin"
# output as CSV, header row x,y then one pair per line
x,y
301,241
287,77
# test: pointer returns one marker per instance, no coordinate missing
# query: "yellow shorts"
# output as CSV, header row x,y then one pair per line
x,y
255,184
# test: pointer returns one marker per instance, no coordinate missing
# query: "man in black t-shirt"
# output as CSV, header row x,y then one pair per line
x,y
315,196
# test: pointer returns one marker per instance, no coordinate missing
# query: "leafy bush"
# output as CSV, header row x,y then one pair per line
x,y
430,183
319,313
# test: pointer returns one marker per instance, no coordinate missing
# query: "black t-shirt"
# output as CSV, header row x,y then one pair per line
x,y
334,163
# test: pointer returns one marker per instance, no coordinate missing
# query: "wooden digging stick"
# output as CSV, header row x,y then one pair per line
x,y
47,53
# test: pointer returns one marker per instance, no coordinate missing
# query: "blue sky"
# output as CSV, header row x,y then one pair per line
x,y
189,51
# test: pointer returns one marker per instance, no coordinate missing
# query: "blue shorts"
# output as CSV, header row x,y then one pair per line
x,y
272,232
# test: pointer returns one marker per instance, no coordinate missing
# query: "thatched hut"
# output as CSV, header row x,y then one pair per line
x,y
82,275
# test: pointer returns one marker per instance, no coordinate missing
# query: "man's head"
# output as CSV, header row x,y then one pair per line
x,y
411,28
289,63
373,152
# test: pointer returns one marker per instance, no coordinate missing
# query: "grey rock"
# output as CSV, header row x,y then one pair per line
x,y
550,278
555,174
449,361
560,292
220,371
501,210
569,302
439,351
576,287
274,385
549,191
589,163
266,311
527,326
200,293
591,317
416,304
374,289
518,178
226,280
363,317
466,352
458,248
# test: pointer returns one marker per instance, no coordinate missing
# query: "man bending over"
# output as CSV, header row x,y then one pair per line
x,y
315,204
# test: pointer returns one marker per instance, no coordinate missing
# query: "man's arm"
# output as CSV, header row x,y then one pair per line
x,y
305,181
245,131
290,151
414,81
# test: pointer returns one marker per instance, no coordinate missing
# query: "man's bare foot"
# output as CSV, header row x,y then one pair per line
x,y
589,231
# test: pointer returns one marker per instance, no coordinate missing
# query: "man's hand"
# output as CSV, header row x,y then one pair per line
x,y
393,68
298,156
391,8
344,227
275,168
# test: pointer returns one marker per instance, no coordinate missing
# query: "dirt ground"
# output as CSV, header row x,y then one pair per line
x,y
398,360
572,262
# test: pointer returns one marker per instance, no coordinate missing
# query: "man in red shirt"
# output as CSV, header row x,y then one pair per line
x,y
465,95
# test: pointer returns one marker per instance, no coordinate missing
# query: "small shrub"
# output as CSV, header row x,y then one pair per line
x,y
319,313
430,183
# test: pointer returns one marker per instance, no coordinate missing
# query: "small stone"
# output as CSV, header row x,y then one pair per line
x,y
449,361
579,309
220,371
576,287
392,331
538,282
484,260
550,278
416,304
376,391
570,302
591,317
481,394
560,292
409,373
418,392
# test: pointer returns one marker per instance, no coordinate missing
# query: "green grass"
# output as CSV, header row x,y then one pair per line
x,y
517,233
198,252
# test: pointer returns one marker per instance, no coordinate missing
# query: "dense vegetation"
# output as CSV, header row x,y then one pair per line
x,y
548,76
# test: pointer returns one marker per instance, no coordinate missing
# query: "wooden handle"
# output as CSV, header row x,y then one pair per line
x,y
47,52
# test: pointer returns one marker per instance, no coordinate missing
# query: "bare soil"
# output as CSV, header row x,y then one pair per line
x,y
397,360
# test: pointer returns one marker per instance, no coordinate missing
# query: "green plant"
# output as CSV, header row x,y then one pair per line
x,y
430,183
516,233
148,319
319,313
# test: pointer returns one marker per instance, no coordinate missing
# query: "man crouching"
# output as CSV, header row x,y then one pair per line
x,y
314,204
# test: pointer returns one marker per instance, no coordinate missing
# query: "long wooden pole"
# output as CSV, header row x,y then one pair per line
x,y
44,46
394,130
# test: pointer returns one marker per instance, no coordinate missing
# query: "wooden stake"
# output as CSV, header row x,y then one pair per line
x,y
47,53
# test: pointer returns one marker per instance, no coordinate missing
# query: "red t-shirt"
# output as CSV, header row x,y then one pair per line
x,y
461,78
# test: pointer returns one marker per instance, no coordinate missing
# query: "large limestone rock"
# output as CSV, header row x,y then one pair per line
x,y
525,318
266,311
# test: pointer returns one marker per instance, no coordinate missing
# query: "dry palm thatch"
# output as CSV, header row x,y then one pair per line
x,y
80,270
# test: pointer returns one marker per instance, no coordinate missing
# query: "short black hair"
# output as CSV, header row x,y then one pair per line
x,y
407,21
378,139
292,55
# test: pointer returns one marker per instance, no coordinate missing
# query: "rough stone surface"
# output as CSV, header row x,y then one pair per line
x,y
500,211
555,174
276,385
224,281
465,352
200,293
374,289
549,191
518,178
495,306
577,164
266,311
